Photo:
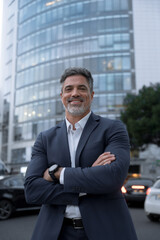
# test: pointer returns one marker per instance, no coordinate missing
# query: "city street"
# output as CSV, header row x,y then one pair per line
x,y
146,230
21,225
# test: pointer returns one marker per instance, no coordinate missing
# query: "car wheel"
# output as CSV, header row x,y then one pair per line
x,y
153,218
5,209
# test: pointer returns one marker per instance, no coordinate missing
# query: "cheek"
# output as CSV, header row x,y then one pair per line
x,y
63,99
88,99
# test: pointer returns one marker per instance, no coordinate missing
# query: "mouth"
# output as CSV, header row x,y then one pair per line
x,y
75,101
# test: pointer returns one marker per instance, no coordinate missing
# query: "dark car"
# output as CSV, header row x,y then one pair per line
x,y
3,169
135,189
12,196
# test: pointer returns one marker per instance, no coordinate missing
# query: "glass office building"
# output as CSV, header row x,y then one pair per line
x,y
42,38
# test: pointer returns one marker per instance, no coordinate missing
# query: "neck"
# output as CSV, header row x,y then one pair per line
x,y
74,119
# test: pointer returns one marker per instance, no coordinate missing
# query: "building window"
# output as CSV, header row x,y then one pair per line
x,y
19,155
4,154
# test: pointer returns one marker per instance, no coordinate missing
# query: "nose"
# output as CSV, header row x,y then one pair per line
x,y
75,92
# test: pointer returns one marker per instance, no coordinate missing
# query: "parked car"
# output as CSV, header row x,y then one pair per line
x,y
3,169
152,202
12,196
135,189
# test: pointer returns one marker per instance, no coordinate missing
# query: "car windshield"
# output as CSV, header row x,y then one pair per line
x,y
3,170
157,184
14,181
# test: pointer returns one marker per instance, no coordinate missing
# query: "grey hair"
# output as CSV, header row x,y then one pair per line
x,y
78,71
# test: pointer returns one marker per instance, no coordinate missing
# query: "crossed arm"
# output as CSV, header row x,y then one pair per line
x,y
43,190
103,159
105,176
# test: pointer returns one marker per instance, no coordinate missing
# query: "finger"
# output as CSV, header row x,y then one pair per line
x,y
103,161
102,157
105,158
105,153
106,162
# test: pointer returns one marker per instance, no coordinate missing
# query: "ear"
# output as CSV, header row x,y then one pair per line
x,y
92,94
61,94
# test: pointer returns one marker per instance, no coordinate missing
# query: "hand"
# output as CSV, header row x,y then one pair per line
x,y
103,159
58,172
46,176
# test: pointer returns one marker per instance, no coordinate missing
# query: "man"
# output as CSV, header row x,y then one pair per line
x,y
77,170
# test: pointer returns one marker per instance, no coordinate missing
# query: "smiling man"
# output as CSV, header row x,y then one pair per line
x,y
77,170
76,97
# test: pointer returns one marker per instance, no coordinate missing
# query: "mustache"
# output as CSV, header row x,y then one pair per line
x,y
75,98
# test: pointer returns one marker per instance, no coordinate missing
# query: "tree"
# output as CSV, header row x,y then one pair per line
x,y
142,116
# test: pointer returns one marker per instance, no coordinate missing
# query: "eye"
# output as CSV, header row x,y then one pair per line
x,y
68,89
83,88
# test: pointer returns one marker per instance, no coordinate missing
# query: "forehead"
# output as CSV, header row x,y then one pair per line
x,y
76,80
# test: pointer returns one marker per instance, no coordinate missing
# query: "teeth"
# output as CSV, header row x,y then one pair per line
x,y
75,101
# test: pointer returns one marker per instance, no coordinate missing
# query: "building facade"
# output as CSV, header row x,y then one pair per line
x,y
40,39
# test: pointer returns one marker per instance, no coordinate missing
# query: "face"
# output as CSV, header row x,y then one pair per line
x,y
76,96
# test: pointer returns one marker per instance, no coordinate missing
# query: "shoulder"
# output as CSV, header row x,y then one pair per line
x,y
52,131
109,123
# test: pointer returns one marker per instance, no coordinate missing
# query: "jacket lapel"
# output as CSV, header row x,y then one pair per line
x,y
91,124
63,145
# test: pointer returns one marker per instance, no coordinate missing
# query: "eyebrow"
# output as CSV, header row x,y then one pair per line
x,y
81,85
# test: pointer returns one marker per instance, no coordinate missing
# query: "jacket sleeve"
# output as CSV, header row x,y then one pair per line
x,y
37,189
103,179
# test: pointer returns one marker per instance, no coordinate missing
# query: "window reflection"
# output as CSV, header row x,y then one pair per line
x,y
38,110
70,30
112,82
101,43
30,130
4,153
19,155
62,34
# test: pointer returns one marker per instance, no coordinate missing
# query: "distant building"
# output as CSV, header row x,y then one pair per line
x,y
41,39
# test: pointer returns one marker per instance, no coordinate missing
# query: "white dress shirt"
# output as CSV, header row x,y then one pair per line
x,y
73,140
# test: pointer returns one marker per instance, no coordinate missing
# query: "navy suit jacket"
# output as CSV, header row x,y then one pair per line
x,y
104,211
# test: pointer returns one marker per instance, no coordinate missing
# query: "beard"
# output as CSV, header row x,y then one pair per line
x,y
77,110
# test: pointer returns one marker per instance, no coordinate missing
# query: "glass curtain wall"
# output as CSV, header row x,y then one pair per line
x,y
54,35
7,76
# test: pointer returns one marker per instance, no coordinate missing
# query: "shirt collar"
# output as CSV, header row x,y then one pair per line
x,y
81,123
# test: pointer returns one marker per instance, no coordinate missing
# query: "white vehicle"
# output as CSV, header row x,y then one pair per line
x,y
152,202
